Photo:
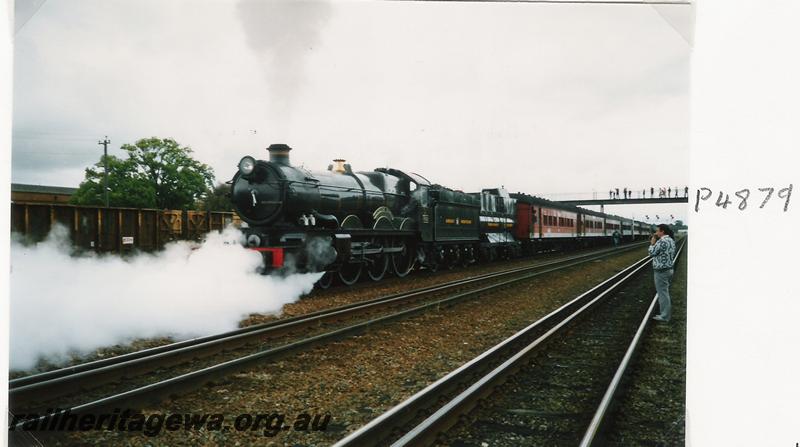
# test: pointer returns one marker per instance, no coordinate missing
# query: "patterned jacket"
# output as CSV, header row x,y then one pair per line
x,y
663,252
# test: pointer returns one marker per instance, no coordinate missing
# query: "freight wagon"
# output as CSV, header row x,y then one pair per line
x,y
116,229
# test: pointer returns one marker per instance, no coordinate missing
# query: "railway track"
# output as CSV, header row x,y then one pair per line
x,y
40,391
552,383
606,411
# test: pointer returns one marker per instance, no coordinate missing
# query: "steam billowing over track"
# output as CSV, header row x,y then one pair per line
x,y
64,305
27,393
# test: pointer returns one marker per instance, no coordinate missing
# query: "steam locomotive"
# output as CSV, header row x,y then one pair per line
x,y
350,223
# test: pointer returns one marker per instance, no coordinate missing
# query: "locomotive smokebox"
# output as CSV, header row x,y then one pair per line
x,y
279,153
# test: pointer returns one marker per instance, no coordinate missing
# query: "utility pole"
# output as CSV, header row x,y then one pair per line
x,y
105,143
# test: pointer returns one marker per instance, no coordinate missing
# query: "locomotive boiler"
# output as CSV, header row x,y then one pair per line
x,y
278,194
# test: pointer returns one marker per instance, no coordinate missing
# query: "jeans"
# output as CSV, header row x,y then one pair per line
x,y
663,278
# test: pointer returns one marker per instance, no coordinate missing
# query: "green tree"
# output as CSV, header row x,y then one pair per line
x,y
158,173
126,189
217,199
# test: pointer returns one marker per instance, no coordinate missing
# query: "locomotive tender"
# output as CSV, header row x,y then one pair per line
x,y
349,223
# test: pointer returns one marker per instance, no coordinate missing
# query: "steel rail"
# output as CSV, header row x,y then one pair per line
x,y
37,381
193,378
378,430
599,422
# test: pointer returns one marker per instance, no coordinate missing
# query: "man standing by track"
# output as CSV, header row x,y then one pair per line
x,y
662,250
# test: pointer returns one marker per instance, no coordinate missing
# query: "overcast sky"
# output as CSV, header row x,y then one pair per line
x,y
545,99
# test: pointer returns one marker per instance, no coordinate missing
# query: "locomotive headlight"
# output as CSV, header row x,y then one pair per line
x,y
247,165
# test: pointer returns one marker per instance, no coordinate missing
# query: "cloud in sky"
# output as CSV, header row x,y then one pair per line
x,y
539,98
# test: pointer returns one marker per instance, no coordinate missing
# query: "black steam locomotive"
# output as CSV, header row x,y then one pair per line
x,y
349,223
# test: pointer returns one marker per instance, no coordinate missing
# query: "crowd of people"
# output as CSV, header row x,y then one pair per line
x,y
663,193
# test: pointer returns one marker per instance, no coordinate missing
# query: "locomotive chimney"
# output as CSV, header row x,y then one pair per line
x,y
279,153
338,166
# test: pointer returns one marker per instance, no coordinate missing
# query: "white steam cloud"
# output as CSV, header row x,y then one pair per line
x,y
62,304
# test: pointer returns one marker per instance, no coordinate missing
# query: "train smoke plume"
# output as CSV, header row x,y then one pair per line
x,y
282,33
63,305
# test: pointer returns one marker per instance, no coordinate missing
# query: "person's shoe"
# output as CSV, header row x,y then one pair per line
x,y
658,318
